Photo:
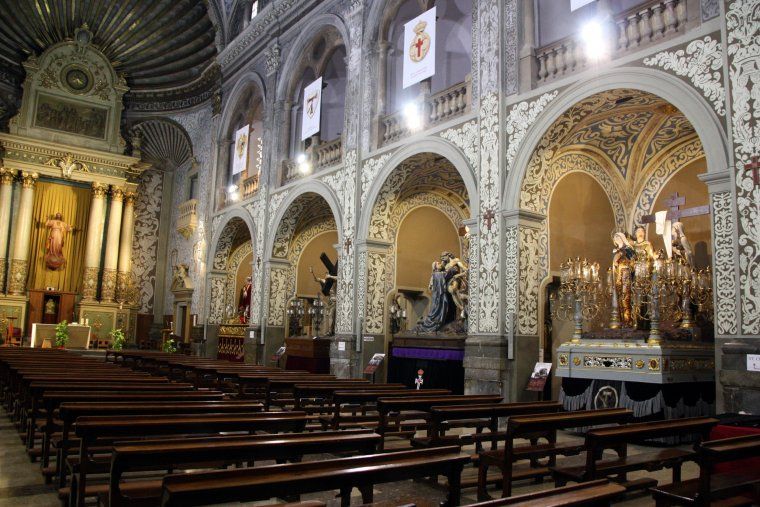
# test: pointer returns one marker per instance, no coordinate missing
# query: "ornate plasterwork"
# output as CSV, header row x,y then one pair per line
x,y
374,319
216,304
709,9
542,178
257,209
701,63
726,313
344,184
511,276
307,234
386,200
233,264
511,38
466,139
487,281
275,201
667,166
533,265
489,39
145,239
744,65
370,170
278,294
520,117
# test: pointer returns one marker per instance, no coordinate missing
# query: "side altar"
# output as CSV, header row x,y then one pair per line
x,y
654,353
67,195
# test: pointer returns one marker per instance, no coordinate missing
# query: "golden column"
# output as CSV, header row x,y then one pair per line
x,y
108,291
6,194
20,253
94,242
125,246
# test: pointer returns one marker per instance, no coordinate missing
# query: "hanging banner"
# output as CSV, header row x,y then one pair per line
x,y
312,109
419,48
240,158
577,4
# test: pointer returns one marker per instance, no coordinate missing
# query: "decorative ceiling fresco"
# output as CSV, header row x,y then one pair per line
x,y
158,45
428,172
628,128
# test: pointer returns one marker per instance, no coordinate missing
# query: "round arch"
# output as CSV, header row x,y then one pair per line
x,y
670,88
241,86
309,187
308,32
229,216
434,145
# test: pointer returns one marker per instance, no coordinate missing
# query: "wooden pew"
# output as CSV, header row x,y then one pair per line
x,y
418,407
316,397
361,405
91,429
533,427
728,488
595,493
343,474
618,438
69,412
478,417
200,452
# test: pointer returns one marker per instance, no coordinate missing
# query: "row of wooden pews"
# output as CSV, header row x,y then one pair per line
x,y
128,430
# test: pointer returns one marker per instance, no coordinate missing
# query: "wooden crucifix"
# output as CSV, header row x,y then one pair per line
x,y
675,213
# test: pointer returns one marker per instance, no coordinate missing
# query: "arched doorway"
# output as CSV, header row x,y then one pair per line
x,y
230,275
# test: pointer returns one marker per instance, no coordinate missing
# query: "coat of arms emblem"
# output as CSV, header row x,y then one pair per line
x,y
311,104
241,144
420,45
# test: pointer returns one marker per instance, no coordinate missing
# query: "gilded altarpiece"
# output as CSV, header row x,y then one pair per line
x,y
66,137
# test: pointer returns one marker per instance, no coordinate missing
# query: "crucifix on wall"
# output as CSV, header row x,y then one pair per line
x,y
754,167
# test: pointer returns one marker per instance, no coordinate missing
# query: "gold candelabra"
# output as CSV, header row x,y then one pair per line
x,y
580,296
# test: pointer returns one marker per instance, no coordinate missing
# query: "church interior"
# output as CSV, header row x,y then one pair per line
x,y
379,252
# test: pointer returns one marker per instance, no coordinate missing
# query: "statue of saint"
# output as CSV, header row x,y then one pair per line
x,y
456,273
50,307
644,250
57,230
244,302
623,256
681,245
327,284
447,293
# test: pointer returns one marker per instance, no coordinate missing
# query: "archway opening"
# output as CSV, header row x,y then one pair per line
x,y
418,215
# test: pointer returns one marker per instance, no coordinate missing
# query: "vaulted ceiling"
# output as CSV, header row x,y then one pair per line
x,y
156,44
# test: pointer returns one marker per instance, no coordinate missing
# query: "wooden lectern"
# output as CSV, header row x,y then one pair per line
x,y
306,353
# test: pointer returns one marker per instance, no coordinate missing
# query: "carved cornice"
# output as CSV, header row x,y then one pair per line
x,y
190,95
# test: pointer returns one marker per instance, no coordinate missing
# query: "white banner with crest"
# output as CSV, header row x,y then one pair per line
x,y
419,48
312,109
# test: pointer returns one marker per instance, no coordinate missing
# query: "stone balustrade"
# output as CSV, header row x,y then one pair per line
x,y
329,153
250,186
187,221
647,23
435,109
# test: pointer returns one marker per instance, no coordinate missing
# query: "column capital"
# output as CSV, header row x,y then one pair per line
x,y
28,179
6,175
117,194
99,190
130,198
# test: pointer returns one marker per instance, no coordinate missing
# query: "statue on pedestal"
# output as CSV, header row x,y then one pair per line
x,y
327,288
623,256
244,301
447,294
57,230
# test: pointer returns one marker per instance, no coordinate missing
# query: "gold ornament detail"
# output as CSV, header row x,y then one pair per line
x,y
654,364
2,274
68,164
28,179
640,364
90,284
6,175
577,361
108,290
18,273
117,194
130,197
99,190
563,360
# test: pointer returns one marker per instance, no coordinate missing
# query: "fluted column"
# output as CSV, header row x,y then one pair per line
x,y
20,249
111,258
6,194
125,246
94,242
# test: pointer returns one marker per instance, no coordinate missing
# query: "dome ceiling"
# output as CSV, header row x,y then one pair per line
x,y
156,44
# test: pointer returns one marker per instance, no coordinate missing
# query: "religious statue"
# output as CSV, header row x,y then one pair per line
x,y
447,294
181,277
50,307
623,255
244,302
327,285
644,250
681,245
57,230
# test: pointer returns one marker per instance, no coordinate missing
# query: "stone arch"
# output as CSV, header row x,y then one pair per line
x,y
312,186
432,145
306,37
241,87
697,110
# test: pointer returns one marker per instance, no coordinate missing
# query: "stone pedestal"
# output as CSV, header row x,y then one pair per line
x,y
738,389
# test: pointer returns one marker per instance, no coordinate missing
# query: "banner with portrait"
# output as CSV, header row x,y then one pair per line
x,y
240,156
419,48
312,109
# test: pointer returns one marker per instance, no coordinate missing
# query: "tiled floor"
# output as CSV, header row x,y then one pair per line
x,y
21,482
